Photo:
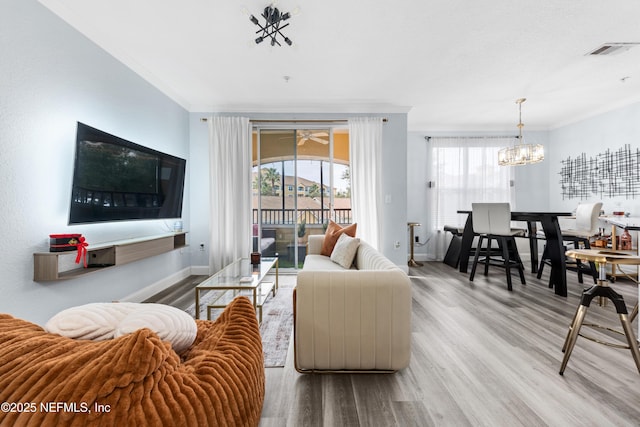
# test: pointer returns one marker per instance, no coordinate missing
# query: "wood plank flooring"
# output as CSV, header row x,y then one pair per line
x,y
181,295
481,356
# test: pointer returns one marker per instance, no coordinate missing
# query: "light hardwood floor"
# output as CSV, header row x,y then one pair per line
x,y
481,356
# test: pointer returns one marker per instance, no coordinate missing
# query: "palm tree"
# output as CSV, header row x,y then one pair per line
x,y
314,190
346,175
264,186
272,176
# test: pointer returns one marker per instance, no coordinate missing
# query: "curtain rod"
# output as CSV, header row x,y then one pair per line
x,y
384,120
428,138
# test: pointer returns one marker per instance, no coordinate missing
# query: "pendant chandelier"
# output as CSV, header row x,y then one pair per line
x,y
273,26
521,153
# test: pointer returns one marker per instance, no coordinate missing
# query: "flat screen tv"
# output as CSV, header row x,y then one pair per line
x,y
117,180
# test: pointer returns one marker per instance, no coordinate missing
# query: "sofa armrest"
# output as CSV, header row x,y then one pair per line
x,y
315,244
352,320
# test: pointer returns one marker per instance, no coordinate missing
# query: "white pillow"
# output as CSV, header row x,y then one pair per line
x,y
96,321
170,323
345,250
103,321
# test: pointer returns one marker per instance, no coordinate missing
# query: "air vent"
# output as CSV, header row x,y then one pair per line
x,y
612,48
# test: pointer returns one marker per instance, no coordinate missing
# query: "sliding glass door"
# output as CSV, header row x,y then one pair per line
x,y
301,181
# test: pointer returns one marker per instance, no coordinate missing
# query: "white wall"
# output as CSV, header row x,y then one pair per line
x,y
393,215
611,130
51,77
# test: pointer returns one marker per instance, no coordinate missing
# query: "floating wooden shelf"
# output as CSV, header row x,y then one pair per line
x,y
46,265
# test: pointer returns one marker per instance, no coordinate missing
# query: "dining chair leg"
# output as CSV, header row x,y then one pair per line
x,y
518,260
542,262
507,261
521,270
592,265
487,258
475,259
579,267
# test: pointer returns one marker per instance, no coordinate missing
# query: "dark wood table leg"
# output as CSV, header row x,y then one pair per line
x,y
555,250
533,245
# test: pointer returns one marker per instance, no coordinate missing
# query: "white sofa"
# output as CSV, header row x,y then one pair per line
x,y
351,320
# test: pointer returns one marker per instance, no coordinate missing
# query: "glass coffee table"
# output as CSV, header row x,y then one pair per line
x,y
239,278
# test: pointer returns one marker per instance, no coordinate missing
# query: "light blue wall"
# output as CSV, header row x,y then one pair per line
x,y
393,215
51,77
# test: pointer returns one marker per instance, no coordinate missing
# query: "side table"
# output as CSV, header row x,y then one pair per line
x,y
413,262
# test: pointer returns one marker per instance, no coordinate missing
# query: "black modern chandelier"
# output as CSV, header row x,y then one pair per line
x,y
273,20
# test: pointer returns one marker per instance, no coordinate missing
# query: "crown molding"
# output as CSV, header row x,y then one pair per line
x,y
303,108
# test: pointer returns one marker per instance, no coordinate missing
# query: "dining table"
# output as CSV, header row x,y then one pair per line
x,y
552,235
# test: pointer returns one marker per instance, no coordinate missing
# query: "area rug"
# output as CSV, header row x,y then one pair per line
x,y
277,323
277,319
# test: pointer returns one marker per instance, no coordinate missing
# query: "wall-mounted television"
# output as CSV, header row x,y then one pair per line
x,y
117,180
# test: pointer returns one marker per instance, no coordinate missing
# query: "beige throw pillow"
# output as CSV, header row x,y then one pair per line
x,y
345,250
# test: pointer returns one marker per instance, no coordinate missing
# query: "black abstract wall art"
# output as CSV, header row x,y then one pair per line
x,y
608,174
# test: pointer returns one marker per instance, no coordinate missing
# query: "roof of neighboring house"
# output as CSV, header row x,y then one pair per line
x,y
290,180
275,202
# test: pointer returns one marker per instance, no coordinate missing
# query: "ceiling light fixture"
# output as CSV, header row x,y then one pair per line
x,y
521,153
273,20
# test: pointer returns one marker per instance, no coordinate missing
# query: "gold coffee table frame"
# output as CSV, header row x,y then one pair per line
x,y
602,257
240,278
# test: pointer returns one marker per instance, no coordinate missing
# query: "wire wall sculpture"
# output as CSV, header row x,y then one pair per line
x,y
608,174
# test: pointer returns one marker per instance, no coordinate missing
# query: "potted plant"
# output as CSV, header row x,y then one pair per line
x,y
302,230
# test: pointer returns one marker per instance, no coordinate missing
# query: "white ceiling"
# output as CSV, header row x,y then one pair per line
x,y
453,65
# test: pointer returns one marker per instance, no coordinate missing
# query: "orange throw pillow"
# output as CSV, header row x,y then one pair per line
x,y
333,233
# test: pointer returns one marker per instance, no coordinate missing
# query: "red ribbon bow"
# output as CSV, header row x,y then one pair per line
x,y
82,250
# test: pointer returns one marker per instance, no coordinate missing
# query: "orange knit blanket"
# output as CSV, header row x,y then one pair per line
x,y
134,380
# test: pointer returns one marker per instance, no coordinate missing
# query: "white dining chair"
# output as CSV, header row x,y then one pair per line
x,y
492,222
585,228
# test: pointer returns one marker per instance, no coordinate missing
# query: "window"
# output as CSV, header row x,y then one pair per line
x,y
464,171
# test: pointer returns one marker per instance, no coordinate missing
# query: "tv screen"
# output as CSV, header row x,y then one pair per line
x,y
115,180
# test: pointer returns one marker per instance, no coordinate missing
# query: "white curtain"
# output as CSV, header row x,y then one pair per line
x,y
230,186
365,145
463,170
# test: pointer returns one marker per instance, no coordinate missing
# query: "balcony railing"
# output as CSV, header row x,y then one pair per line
x,y
310,216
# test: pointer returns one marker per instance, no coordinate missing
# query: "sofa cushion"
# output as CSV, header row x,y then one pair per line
x,y
345,250
320,262
333,233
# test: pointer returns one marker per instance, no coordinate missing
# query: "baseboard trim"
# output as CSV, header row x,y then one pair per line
x,y
149,291
200,270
